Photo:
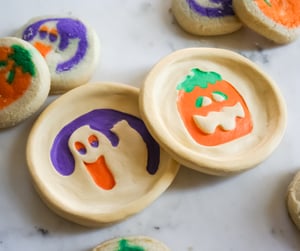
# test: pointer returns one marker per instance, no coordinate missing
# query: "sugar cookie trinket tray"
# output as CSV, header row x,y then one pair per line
x,y
92,159
213,110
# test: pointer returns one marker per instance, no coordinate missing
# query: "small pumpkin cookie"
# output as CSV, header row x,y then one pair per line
x,y
132,243
276,20
213,110
206,17
69,46
293,199
92,159
24,81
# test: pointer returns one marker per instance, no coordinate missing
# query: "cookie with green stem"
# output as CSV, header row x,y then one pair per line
x,y
24,81
132,243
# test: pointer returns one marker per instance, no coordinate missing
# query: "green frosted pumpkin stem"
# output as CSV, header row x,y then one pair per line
x,y
198,78
124,246
22,58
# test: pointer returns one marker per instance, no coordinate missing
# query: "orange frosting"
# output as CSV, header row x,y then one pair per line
x,y
10,92
284,12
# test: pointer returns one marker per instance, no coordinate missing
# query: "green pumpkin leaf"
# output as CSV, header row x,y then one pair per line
x,y
198,78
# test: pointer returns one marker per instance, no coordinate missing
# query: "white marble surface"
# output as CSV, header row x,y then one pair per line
x,y
198,212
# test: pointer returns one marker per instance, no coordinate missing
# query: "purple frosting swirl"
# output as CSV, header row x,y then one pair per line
x,y
224,10
67,29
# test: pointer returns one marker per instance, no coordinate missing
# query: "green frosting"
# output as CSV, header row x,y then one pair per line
x,y
198,78
221,94
21,58
125,246
199,101
268,2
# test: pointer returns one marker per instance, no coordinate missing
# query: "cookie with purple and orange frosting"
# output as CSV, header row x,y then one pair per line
x,y
69,46
206,17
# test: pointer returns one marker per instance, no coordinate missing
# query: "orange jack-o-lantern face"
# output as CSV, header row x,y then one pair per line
x,y
212,110
16,72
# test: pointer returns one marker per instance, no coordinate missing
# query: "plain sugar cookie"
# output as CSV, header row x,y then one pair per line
x,y
69,46
92,158
276,20
24,81
132,243
206,17
206,109
293,199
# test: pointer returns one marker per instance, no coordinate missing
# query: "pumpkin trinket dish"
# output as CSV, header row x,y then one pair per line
x,y
213,110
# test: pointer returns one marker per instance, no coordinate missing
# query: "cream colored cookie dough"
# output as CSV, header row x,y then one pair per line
x,y
206,17
293,199
24,81
69,45
132,243
276,20
92,159
213,110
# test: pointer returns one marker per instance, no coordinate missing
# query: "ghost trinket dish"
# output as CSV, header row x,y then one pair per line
x,y
91,158
24,81
213,110
69,46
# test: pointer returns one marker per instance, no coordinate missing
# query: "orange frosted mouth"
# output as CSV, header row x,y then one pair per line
x,y
44,49
101,173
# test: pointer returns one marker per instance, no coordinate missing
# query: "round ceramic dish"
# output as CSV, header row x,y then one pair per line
x,y
213,110
92,159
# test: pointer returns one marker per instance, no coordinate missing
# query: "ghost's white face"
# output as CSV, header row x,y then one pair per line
x,y
87,145
47,43
47,38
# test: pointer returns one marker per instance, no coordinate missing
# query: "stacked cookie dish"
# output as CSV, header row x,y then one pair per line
x,y
115,150
278,21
